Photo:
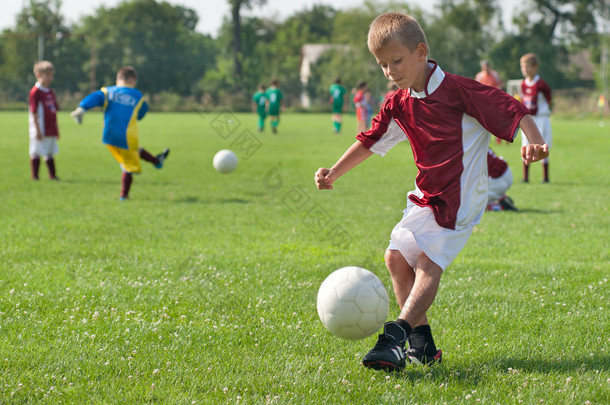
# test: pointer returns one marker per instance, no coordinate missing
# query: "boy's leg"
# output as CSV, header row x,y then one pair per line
x,y
545,171
158,160
51,166
145,155
274,120
388,352
261,123
421,342
427,279
35,166
403,278
126,180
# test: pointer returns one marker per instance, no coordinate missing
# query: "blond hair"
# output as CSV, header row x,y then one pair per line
x,y
396,26
43,66
530,59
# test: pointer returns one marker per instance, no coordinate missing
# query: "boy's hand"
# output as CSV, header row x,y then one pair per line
x,y
533,153
77,115
324,179
38,136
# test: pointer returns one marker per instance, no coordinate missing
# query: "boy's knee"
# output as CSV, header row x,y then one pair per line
x,y
425,264
394,258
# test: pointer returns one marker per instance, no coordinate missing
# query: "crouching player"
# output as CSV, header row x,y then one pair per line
x,y
500,180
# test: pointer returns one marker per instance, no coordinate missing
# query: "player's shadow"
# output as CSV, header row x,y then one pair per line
x,y
87,181
537,211
554,366
197,200
473,375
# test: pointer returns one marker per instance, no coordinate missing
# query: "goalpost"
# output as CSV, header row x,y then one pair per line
x,y
513,87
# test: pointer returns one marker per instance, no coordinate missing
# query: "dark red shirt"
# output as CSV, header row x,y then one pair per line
x,y
43,102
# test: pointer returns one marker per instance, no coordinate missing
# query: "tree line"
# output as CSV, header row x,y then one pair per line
x,y
174,60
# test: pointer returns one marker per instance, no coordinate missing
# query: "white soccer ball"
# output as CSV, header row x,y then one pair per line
x,y
225,161
352,303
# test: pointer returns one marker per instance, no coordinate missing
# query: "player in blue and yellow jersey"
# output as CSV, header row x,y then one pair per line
x,y
259,105
274,95
123,106
337,98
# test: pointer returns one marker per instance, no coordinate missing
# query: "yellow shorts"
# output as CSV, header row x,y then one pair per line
x,y
128,159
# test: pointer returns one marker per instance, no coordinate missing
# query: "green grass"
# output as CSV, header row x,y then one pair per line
x,y
202,288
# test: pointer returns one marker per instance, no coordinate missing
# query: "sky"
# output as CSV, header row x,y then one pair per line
x,y
210,12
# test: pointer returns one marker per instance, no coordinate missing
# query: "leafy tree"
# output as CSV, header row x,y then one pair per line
x,y
40,29
462,33
237,38
549,28
157,38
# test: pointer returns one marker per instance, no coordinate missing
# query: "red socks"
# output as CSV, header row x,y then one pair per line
x,y
126,180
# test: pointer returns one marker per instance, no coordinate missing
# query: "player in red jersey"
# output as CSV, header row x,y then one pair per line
x,y
43,120
536,95
448,120
500,180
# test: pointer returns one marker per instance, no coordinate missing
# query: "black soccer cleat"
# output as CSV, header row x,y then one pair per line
x,y
418,357
388,353
161,158
508,204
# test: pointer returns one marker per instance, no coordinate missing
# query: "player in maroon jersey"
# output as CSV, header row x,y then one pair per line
x,y
448,120
500,180
43,120
536,95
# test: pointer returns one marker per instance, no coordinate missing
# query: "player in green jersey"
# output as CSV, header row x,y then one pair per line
x,y
337,97
274,95
259,105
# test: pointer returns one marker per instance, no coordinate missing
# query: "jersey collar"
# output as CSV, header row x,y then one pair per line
x,y
41,87
434,80
534,80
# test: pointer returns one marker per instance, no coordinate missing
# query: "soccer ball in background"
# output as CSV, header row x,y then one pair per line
x,y
225,161
352,303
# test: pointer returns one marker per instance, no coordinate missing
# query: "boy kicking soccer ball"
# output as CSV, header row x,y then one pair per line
x,y
448,120
123,107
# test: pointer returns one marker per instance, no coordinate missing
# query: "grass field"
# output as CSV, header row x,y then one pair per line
x,y
202,287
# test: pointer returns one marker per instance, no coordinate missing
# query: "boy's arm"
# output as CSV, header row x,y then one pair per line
x,y
355,155
143,110
537,149
95,99
33,100
38,131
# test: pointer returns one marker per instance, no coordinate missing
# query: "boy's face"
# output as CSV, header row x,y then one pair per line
x,y
528,69
405,68
45,78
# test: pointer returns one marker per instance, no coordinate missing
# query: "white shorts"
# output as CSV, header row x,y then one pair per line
x,y
43,148
499,186
543,122
417,232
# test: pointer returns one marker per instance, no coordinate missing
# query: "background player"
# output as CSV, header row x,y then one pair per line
x,y
489,77
536,95
337,100
259,105
274,95
44,131
123,107
500,180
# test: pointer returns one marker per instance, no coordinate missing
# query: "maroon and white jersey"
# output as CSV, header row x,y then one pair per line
x,y
448,126
496,166
536,96
43,102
